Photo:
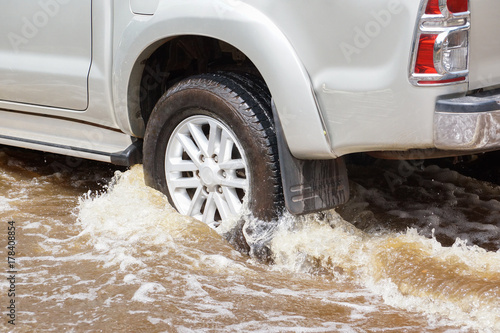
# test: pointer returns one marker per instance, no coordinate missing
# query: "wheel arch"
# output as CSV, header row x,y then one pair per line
x,y
245,29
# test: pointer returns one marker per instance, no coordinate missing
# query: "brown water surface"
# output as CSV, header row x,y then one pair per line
x,y
419,254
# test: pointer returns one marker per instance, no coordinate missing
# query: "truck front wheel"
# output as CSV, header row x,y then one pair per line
x,y
210,147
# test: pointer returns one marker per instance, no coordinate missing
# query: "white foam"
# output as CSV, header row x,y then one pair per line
x,y
145,290
130,278
194,288
156,321
5,204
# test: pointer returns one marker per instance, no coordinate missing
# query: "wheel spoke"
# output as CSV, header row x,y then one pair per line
x,y
222,206
190,148
197,202
185,183
235,182
232,164
213,138
232,199
199,138
226,147
210,209
181,166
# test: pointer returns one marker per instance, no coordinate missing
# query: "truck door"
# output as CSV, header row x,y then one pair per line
x,y
45,52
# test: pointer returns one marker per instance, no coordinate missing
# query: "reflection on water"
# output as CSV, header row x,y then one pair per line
x,y
111,258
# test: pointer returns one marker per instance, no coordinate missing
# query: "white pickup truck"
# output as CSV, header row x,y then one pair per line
x,y
234,103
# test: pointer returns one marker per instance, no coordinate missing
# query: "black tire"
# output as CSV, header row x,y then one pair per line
x,y
242,105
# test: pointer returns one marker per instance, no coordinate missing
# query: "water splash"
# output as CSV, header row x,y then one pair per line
x,y
132,227
460,284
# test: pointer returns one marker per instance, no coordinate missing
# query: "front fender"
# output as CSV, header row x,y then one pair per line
x,y
247,29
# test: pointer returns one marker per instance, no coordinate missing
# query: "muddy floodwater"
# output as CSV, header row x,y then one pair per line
x,y
416,249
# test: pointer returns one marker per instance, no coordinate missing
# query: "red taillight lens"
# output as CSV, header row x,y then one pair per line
x,y
425,56
433,7
457,6
454,6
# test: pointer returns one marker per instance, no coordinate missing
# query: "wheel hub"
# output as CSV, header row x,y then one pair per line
x,y
209,174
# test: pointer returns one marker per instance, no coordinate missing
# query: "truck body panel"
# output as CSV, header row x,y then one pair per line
x,y
46,52
338,71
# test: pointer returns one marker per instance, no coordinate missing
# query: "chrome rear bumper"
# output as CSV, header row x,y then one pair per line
x,y
470,123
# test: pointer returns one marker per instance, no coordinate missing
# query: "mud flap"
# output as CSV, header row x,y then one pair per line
x,y
310,185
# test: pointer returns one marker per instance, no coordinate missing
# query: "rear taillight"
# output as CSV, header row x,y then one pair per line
x,y
441,47
458,6
425,55
433,7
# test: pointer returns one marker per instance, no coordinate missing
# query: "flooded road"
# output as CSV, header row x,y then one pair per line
x,y
416,249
